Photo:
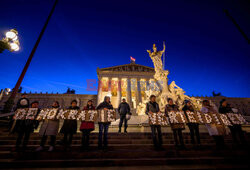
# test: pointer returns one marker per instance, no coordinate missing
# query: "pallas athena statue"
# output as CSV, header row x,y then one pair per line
x,y
164,90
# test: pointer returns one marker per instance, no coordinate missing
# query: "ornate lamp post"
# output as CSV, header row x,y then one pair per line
x,y
10,42
10,102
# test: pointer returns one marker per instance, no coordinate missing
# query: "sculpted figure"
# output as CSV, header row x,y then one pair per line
x,y
165,90
156,58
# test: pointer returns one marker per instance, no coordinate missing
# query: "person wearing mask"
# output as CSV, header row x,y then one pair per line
x,y
216,131
25,128
236,130
69,127
193,127
176,127
49,128
103,126
87,127
123,110
153,107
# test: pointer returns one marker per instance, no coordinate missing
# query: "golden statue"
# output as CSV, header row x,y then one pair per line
x,y
156,58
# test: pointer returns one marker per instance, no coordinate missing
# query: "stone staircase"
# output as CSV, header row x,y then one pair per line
x,y
131,150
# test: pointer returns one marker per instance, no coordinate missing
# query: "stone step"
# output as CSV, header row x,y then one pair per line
x,y
132,149
133,134
121,136
120,153
76,147
112,141
111,136
12,163
116,135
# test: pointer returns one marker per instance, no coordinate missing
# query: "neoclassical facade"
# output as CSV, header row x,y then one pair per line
x,y
127,81
130,81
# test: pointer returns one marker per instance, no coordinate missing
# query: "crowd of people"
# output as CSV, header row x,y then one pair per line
x,y
216,131
51,127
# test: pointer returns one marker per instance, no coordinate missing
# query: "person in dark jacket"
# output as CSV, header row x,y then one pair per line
x,y
123,110
103,127
25,128
22,103
215,130
87,127
176,127
69,127
49,128
236,130
193,127
153,107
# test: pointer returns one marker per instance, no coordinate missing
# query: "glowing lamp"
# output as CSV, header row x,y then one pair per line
x,y
14,46
12,34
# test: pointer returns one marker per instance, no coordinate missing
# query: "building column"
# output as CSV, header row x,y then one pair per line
x,y
129,99
99,93
147,87
109,86
119,91
147,84
138,92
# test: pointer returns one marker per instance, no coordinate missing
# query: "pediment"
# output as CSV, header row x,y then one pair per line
x,y
127,68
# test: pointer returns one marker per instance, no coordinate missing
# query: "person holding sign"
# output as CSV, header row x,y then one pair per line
x,y
69,127
193,127
176,127
103,126
22,103
151,108
123,110
49,128
214,130
27,126
87,127
235,128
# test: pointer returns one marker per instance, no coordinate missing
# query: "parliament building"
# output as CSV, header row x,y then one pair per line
x,y
127,81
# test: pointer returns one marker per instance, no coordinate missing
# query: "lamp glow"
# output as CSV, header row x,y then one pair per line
x,y
11,35
14,46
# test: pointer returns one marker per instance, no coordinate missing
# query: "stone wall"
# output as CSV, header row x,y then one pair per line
x,y
46,100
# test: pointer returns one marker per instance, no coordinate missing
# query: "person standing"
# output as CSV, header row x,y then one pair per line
x,y
193,127
49,128
123,110
103,126
176,127
153,107
87,127
216,131
236,130
25,128
69,127
22,103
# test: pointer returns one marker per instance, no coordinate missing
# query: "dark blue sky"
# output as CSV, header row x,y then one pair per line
x,y
205,51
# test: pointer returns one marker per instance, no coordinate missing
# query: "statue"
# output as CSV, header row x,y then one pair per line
x,y
165,91
156,58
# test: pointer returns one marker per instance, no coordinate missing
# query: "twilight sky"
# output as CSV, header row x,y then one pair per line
x,y
205,51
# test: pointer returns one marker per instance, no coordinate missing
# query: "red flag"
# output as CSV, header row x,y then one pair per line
x,y
132,59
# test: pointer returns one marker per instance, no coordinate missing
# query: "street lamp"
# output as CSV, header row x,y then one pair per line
x,y
10,42
5,91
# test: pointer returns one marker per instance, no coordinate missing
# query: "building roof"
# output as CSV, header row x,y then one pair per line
x,y
126,68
